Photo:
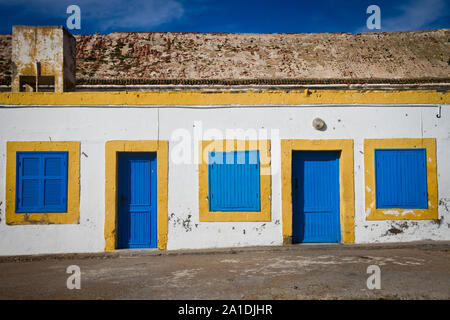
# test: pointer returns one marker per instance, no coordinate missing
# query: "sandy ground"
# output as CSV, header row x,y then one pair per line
x,y
408,271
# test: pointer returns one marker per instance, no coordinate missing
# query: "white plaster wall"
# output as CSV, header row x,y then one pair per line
x,y
94,126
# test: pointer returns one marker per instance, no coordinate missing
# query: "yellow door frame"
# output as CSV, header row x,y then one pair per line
x,y
162,155
346,182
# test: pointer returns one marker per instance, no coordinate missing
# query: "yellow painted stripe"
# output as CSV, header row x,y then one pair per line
x,y
276,97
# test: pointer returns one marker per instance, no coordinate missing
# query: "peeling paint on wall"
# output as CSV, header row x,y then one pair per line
x,y
397,228
260,229
43,51
186,224
438,221
445,203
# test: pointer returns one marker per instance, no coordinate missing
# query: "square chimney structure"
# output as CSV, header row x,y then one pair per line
x,y
43,58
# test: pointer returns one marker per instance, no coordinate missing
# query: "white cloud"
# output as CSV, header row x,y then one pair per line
x,y
413,15
417,15
105,15
132,14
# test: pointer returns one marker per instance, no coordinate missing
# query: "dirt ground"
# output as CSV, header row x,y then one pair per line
x,y
408,271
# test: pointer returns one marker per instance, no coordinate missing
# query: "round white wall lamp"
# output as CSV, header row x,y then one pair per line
x,y
318,124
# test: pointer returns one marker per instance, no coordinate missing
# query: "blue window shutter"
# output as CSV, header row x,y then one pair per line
x,y
41,181
29,177
55,182
401,178
234,181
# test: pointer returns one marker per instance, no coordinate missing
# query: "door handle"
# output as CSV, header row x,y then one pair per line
x,y
296,183
122,200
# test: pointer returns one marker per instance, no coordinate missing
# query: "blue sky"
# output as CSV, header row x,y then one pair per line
x,y
260,16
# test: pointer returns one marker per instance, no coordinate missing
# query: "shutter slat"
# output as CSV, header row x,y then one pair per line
x,y
234,182
400,178
42,181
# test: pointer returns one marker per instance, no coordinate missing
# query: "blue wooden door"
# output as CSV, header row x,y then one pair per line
x,y
137,200
315,196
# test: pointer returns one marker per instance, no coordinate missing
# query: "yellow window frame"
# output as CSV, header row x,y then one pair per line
x,y
73,183
372,212
206,146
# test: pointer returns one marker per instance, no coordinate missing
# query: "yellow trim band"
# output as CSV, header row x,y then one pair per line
x,y
73,183
265,180
347,194
372,212
162,154
251,97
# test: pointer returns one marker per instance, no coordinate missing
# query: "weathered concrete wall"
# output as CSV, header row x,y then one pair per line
x,y
5,57
93,126
52,47
144,55
415,54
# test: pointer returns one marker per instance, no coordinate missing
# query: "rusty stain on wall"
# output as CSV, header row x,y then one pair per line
x,y
45,52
